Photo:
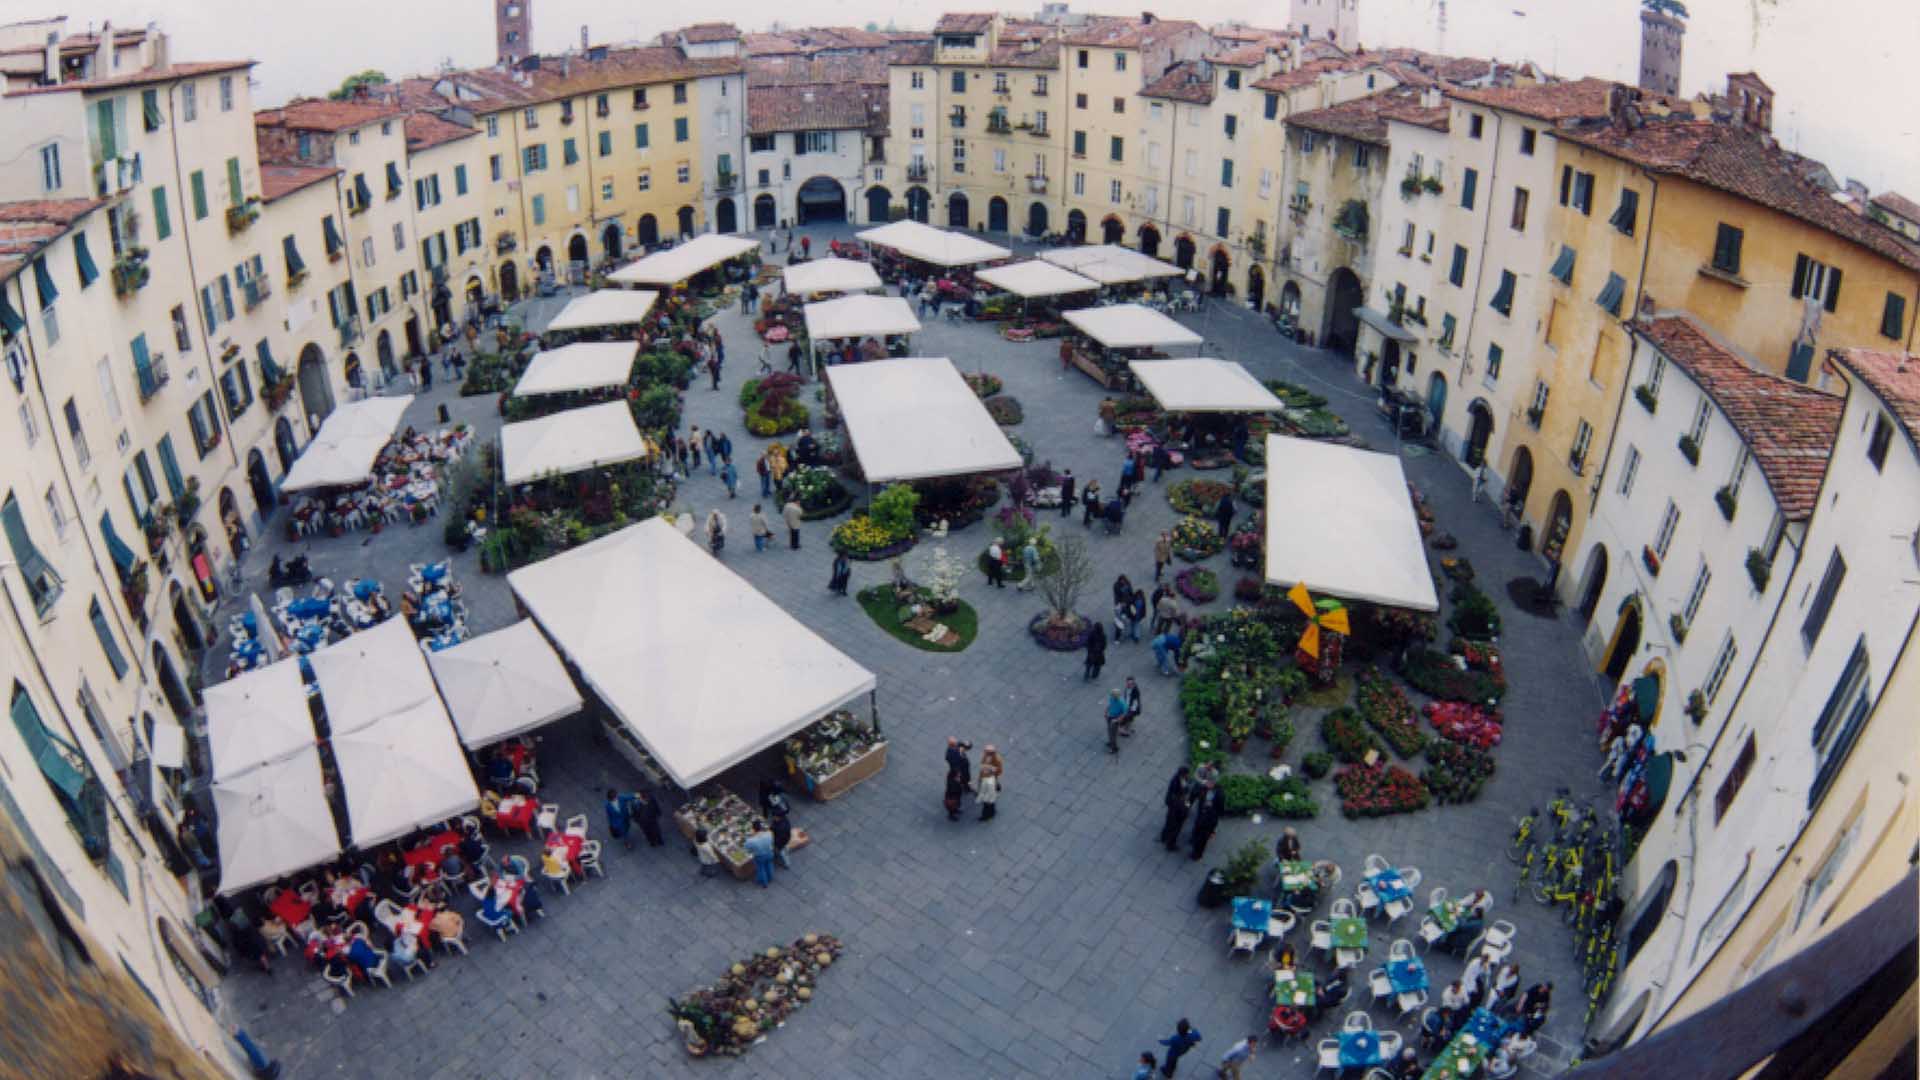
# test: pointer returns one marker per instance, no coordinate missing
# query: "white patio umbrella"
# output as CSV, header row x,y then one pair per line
x,y
273,821
257,717
503,684
371,674
401,772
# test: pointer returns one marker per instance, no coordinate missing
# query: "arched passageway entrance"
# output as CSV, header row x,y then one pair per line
x,y
577,253
184,622
1184,251
997,214
1149,240
316,390
726,219
259,482
1112,231
171,687
684,217
1221,283
610,239
1076,227
1256,286
878,200
284,444
646,231
1479,430
1519,479
822,200
1037,219
231,523
1436,400
1559,524
1626,640
1593,583
1342,325
958,211
383,347
919,204
509,283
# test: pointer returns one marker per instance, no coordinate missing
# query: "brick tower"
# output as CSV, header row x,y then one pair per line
x,y
513,30
1662,33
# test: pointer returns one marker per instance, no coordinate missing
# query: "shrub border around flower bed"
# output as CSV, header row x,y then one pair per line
x,y
1080,642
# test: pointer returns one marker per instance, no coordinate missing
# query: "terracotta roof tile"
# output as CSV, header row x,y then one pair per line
x,y
559,78
426,131
1745,163
816,108
28,226
317,114
709,33
1365,119
910,53
279,181
794,70
1303,76
1895,377
1582,98
139,78
773,45
1184,81
964,23
1243,54
1790,428
1026,53
1895,203
1115,33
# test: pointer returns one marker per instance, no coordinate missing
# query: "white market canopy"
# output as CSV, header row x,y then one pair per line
x,y
916,417
605,307
829,275
860,316
568,442
1130,326
585,365
1339,521
1035,278
1200,384
257,717
1111,264
371,674
682,261
703,669
272,821
503,684
941,247
349,439
402,772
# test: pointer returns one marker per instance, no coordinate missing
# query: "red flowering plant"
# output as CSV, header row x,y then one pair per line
x,y
1378,790
1469,725
1384,706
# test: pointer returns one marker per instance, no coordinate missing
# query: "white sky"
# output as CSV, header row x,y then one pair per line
x,y
1849,107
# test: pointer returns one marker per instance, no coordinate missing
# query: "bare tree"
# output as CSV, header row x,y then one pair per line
x,y
1066,577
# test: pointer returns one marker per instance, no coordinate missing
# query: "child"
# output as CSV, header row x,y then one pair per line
x,y
709,858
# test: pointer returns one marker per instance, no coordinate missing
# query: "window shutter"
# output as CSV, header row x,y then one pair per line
x,y
89,273
1799,276
295,264
1894,319
1566,183
1833,288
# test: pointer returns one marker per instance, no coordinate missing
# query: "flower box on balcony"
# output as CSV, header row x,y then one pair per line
x,y
1644,395
1678,626
241,217
1652,560
1690,449
1534,416
504,243
1758,568
1037,185
294,278
1725,499
130,272
277,394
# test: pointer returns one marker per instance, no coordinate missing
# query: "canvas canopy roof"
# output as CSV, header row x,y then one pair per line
x,y
682,261
503,684
272,821
371,674
605,307
401,772
583,365
1035,278
349,439
829,275
916,417
1111,264
257,717
1339,521
1200,384
1129,326
940,247
860,316
702,668
567,442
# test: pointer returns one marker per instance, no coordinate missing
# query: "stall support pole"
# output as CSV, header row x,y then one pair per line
x,y
873,709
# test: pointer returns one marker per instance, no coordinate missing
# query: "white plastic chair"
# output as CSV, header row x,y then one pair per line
x,y
1381,986
590,858
478,888
1521,1047
1329,1057
577,825
343,983
310,892
379,971
501,924
1437,897
1498,939
1281,923
419,962
1376,864
1369,902
1343,909
549,818
386,913
1395,910
1498,1071
1390,1044
1241,942
1411,876
1430,932
279,938
1401,949
451,942
1357,1021
1322,938
560,879
1410,1002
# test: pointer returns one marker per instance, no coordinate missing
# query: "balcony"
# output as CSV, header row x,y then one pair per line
x,y
350,332
151,377
116,176
240,218
998,125
1037,184
504,243
130,272
256,290
725,183
917,172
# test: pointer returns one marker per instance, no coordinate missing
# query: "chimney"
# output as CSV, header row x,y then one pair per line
x,y
103,52
583,37
1430,98
1146,18
51,69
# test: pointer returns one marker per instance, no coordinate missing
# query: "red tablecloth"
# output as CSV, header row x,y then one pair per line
x,y
519,817
508,889
433,849
290,908
517,753
325,946
572,845
418,919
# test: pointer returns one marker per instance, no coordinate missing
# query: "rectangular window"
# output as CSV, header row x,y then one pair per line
x,y
1519,219
493,127
1080,60
1893,317
534,158
1457,273
115,658
680,131
1878,443
494,171
1475,125
1080,144
1726,249
1119,105
1697,594
1113,191
1226,173
1669,522
1116,149
1503,295
1582,442
1447,326
1119,61
1722,663
1822,879
1813,278
1233,80
1841,719
1468,184
1563,265
198,182
1232,125
1272,106
1612,294
1079,183
205,423
1627,213
1494,355
540,208
646,179
43,582
1628,471
189,103
683,172
1822,605
1362,156
1406,240
1526,141
1698,430
80,451
1221,217
569,152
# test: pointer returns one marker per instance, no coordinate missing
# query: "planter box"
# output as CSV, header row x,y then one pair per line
x,y
1094,371
852,773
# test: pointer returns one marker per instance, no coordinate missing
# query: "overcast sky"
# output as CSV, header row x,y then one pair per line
x,y
1834,64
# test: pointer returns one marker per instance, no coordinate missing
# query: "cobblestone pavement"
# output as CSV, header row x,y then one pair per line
x,y
1058,940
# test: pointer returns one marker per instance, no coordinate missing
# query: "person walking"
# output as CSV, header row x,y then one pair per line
x,y
1136,614
1238,1057
1162,554
781,826
766,359
766,476
792,513
724,444
1116,715
619,818
1127,474
1030,561
646,813
762,530
1089,503
1166,650
1096,651
1066,354
760,845
991,768
951,800
1207,812
730,477
1179,800
1183,1039
694,443
716,531
1122,595
1160,461
842,571
996,565
713,368
1066,493
958,763
711,442
1533,1005
793,359
1223,514
1133,705
806,247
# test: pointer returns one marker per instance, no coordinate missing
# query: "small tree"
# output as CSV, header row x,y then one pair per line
x,y
352,83
1066,577
892,509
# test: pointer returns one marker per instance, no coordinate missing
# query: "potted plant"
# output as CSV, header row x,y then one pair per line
x,y
1690,449
1679,627
1644,395
1061,583
1758,568
1725,499
1697,706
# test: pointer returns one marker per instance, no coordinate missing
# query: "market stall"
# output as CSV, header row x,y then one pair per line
x,y
273,820
503,684
1200,384
343,451
941,247
568,442
915,417
370,675
1034,278
1112,336
829,275
256,717
402,772
604,309
854,317
1111,264
586,365
698,668
684,260
1341,522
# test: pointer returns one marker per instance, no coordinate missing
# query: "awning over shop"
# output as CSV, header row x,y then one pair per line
x,y
568,442
503,684
605,307
1387,327
401,772
257,717
941,247
273,821
584,365
916,417
1036,278
349,439
860,316
682,261
1339,521
701,667
1110,264
1200,384
1130,326
829,275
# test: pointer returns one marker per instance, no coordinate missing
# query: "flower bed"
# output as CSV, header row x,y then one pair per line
x,y
772,406
1233,688
1378,790
1294,396
1448,678
818,491
1469,725
913,623
1196,496
830,751
728,821
1247,546
1006,411
1384,706
753,999
1249,589
1474,616
1195,539
1219,459
983,384
860,538
1197,584
1456,773
1131,414
1252,489
1070,636
1245,793
1348,738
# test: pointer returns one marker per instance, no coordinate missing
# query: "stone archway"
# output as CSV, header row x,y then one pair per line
x,y
1112,229
1221,283
1342,326
316,389
610,238
1184,251
1290,300
543,258
260,482
509,282
766,212
1256,286
919,204
171,687
878,201
383,349
1519,478
1037,220
1149,240
1436,400
284,444
646,231
958,211
1593,583
1626,640
577,252
351,373
184,622
726,219
1076,227
1553,541
820,200
229,510
683,217
997,214
1480,417
476,293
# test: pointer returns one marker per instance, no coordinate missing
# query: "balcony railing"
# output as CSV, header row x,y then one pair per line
x,y
242,217
999,126
917,172
1037,184
350,331
256,290
725,183
130,272
116,175
152,377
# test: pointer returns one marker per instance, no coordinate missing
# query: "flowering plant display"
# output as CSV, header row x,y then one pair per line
x,y
957,500
1247,545
1249,589
831,744
1252,489
1469,725
1141,442
982,384
1377,790
728,821
1348,738
940,575
1195,539
861,537
1006,411
753,999
1384,706
1197,584
1449,678
1456,772
1197,496
818,491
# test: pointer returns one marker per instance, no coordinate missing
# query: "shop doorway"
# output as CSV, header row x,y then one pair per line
x,y
684,218
1184,251
284,444
577,253
1436,399
1076,227
1559,524
1037,220
1149,240
1519,478
822,200
610,238
878,199
919,204
1256,286
383,347
646,231
316,390
259,483
171,687
957,211
1111,230
997,214
1594,583
726,219
1480,429
509,283
1626,641
1342,325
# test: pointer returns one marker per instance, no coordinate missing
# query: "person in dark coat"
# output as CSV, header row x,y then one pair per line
x,y
1178,800
1096,651
782,827
955,788
958,763
1208,809
646,814
1066,493
842,572
1223,514
1090,502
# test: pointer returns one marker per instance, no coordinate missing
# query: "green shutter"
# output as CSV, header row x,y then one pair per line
x,y
143,367
103,122
235,195
332,231
117,548
162,222
394,186
115,658
363,195
10,320
1893,320
170,465
295,264
43,283
199,182
460,175
150,109
45,748
83,260
640,136
33,566
680,129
